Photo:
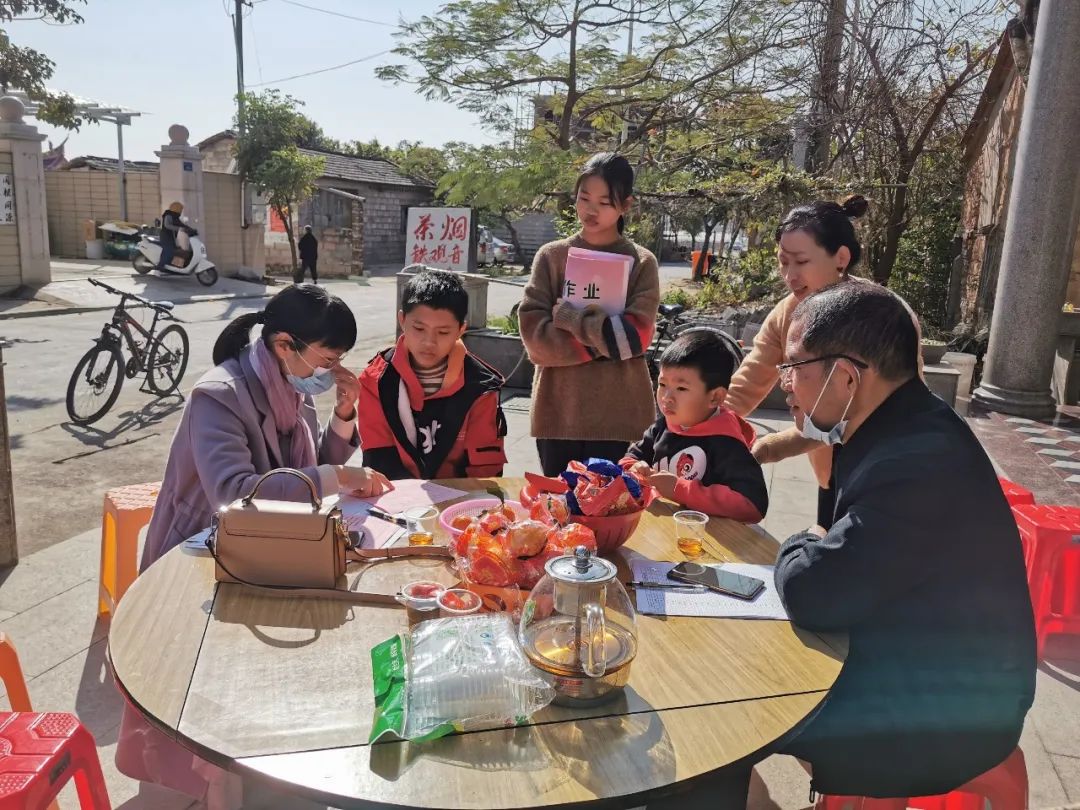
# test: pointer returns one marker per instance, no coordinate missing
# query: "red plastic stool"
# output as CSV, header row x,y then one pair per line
x,y
1051,538
858,803
1004,787
1015,494
39,753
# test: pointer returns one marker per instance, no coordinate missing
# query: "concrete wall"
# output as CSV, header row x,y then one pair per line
x,y
221,229
219,157
534,230
10,269
72,197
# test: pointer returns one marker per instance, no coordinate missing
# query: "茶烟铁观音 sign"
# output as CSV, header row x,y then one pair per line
x,y
439,237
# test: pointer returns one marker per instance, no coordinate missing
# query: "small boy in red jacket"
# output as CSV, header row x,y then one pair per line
x,y
427,407
698,452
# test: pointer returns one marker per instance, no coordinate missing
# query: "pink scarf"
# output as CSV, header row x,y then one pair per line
x,y
285,403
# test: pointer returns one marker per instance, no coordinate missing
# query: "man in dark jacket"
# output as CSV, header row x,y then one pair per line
x,y
309,256
920,563
171,225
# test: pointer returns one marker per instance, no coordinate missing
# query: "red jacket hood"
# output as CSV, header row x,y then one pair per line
x,y
721,423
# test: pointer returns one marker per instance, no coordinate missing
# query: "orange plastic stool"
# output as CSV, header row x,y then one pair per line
x,y
1015,494
1051,538
1005,787
12,675
39,753
126,511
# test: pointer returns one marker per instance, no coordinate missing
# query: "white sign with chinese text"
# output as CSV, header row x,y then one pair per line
x,y
596,278
7,200
439,237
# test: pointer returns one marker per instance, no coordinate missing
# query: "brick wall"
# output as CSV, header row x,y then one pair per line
x,y
221,229
986,199
10,264
71,197
384,221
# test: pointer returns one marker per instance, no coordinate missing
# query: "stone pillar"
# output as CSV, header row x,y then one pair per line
x,y
1044,210
24,233
181,175
358,237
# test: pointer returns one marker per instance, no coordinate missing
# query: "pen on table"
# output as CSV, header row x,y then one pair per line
x,y
667,586
381,515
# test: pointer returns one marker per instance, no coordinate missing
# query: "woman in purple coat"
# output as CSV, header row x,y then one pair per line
x,y
252,413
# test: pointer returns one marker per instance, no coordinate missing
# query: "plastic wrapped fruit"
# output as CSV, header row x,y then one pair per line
x,y
462,521
486,567
567,538
526,538
495,521
550,509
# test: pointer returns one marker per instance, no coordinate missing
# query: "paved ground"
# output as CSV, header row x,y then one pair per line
x,y
48,607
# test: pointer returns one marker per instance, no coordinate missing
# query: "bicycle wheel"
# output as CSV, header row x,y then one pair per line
x,y
95,384
167,360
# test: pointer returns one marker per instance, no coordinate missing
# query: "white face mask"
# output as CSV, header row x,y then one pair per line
x,y
836,434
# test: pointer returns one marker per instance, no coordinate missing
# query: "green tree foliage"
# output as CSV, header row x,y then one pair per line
x,y
29,70
268,158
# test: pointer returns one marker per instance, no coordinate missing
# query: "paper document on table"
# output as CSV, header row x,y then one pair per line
x,y
375,533
660,602
411,492
593,277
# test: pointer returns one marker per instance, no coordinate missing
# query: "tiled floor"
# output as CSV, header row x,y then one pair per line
x,y
48,607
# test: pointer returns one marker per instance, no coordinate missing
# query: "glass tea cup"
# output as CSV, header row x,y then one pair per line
x,y
690,532
421,528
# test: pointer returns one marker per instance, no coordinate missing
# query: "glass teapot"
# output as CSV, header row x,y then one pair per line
x,y
579,626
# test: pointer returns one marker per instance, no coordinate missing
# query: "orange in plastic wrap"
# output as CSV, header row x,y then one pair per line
x,y
495,521
486,567
462,521
566,539
550,509
526,538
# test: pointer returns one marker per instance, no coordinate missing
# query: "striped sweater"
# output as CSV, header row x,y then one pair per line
x,y
591,380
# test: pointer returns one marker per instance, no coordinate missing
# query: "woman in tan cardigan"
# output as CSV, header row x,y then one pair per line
x,y
816,247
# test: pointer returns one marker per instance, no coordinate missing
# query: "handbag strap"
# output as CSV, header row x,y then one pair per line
x,y
352,554
316,501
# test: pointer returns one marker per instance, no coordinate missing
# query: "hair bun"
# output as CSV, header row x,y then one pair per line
x,y
855,206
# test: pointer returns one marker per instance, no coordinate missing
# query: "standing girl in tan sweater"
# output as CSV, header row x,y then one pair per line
x,y
592,394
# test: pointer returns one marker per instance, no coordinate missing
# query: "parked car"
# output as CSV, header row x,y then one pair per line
x,y
503,252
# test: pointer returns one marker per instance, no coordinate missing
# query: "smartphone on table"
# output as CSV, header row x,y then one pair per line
x,y
717,579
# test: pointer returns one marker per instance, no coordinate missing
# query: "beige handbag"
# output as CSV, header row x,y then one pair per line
x,y
294,548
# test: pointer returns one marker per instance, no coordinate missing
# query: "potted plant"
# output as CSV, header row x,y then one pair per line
x,y
499,345
933,347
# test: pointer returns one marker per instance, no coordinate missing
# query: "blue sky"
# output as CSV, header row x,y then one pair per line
x,y
174,62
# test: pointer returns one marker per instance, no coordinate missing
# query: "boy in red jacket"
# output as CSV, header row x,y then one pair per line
x,y
427,407
698,452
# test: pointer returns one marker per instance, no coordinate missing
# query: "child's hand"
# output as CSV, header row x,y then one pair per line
x,y
664,483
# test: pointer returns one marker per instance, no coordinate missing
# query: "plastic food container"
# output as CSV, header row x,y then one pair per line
x,y
421,600
458,602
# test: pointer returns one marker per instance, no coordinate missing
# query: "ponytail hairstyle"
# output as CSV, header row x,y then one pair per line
x,y
305,312
617,172
829,223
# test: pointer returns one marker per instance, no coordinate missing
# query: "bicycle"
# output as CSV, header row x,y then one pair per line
x,y
670,323
162,357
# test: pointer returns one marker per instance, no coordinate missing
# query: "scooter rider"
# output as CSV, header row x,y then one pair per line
x,y
170,229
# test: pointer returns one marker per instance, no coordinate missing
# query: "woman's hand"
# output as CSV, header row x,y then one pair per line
x,y
362,481
348,391
641,471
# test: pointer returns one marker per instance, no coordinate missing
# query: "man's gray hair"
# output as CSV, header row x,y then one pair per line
x,y
863,320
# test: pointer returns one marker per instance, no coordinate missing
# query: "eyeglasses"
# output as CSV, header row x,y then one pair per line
x,y
331,362
785,368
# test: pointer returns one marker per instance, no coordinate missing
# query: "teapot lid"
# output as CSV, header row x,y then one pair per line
x,y
582,567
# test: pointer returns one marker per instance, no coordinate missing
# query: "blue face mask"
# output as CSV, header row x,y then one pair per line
x,y
836,434
320,381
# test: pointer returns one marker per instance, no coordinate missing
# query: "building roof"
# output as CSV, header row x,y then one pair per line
x,y
104,164
344,167
364,170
